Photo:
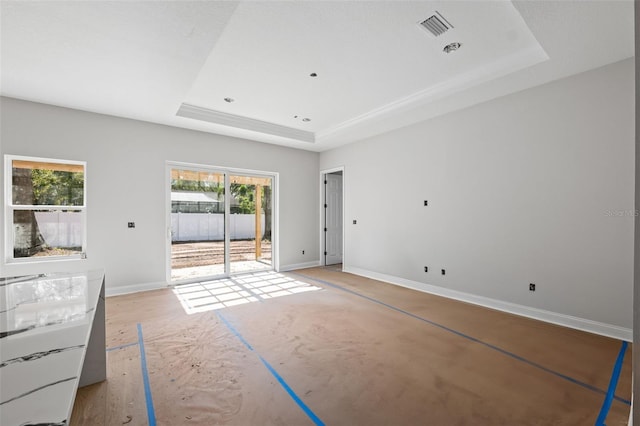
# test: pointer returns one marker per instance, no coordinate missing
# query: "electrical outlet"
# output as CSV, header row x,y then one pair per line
x,y
426,269
302,251
426,203
131,224
355,221
443,271
532,287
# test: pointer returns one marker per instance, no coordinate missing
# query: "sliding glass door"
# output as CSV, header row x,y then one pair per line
x,y
250,223
197,224
221,222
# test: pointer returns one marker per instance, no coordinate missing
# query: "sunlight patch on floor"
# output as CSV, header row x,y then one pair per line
x,y
237,290
237,267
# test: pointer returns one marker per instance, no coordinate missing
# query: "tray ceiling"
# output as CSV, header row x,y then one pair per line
x,y
311,74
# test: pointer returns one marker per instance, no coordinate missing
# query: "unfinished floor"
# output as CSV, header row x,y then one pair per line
x,y
325,347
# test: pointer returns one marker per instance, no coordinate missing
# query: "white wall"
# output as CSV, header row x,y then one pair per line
x,y
535,187
126,166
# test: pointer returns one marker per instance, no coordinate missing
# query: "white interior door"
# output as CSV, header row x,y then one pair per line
x,y
333,218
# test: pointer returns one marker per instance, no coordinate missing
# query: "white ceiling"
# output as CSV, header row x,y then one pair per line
x,y
174,62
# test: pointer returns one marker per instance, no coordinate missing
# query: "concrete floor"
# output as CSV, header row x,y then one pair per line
x,y
324,347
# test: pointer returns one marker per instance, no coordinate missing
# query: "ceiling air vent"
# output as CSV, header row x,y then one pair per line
x,y
436,24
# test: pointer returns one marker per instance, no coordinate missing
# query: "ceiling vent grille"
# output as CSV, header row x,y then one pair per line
x,y
436,24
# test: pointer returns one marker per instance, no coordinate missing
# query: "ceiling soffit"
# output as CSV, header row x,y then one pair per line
x,y
370,60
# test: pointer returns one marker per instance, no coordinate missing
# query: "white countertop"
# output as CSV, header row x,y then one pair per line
x,y
45,324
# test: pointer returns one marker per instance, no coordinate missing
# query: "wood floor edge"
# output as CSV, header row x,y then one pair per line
x,y
583,324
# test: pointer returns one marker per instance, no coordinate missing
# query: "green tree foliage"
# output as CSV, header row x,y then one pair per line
x,y
243,194
196,186
27,237
51,187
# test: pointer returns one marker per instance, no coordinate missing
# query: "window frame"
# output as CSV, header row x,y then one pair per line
x,y
10,208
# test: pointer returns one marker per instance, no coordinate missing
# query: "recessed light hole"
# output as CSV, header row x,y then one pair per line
x,y
452,47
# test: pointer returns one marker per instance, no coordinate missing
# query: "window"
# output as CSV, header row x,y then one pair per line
x,y
45,209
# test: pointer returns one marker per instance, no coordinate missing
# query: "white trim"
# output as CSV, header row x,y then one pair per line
x,y
240,122
503,66
167,206
227,223
569,321
134,288
296,266
517,61
275,220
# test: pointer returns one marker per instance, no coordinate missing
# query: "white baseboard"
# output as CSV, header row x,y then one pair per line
x,y
134,288
590,326
293,267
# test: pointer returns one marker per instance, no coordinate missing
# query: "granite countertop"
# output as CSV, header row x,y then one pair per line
x,y
45,324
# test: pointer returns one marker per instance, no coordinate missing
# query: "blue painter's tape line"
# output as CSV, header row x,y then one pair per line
x,y
613,383
473,339
316,420
234,331
151,415
115,348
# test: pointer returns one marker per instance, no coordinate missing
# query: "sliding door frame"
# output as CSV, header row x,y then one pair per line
x,y
227,172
